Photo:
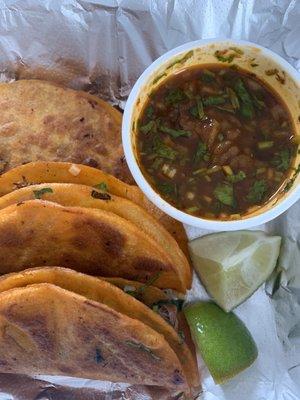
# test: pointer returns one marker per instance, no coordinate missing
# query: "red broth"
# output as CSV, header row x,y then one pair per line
x,y
215,141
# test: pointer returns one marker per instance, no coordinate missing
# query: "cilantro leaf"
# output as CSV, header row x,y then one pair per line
x,y
220,55
246,108
162,150
175,96
258,103
140,290
197,110
149,111
213,100
207,76
175,133
257,191
39,193
168,189
282,160
233,98
224,193
101,186
147,127
201,152
235,178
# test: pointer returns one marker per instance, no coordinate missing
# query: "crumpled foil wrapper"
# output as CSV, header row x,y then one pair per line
x,y
102,46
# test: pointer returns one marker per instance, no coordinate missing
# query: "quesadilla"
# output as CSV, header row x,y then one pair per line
x,y
47,330
62,172
41,120
97,242
104,292
73,195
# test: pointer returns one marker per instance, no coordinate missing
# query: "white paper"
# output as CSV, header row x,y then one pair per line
x,y
103,46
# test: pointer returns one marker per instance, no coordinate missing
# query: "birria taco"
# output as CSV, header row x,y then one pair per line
x,y
74,195
63,172
97,242
105,292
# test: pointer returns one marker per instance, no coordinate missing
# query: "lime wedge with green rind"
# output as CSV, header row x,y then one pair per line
x,y
224,342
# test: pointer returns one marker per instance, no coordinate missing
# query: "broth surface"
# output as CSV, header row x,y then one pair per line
x,y
215,141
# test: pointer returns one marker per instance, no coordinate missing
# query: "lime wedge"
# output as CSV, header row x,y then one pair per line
x,y
232,265
224,342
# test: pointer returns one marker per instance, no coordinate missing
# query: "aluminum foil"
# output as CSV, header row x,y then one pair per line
x,y
102,46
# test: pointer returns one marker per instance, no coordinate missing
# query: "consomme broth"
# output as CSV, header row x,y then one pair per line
x,y
215,142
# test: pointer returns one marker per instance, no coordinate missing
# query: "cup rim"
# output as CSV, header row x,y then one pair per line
x,y
146,188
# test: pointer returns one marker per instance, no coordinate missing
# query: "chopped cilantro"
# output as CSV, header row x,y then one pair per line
x,y
282,160
237,50
257,191
166,188
101,186
141,289
246,109
163,150
182,59
158,78
39,193
258,103
213,100
271,72
207,76
147,127
149,112
175,133
235,178
197,110
201,152
233,98
220,55
175,96
224,193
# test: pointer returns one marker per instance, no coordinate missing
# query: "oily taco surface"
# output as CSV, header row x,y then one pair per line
x,y
106,293
55,123
64,172
75,195
51,331
93,241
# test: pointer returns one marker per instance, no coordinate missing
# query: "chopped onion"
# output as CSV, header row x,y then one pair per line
x,y
169,171
74,170
190,195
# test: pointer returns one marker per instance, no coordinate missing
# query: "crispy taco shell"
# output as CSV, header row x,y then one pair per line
x,y
37,232
63,172
74,195
55,123
104,292
47,330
